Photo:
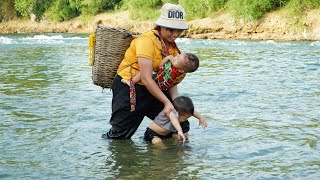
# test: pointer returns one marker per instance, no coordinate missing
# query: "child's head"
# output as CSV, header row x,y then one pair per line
x,y
187,62
184,107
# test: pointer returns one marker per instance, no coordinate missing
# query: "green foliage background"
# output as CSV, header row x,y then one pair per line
x,y
61,10
7,10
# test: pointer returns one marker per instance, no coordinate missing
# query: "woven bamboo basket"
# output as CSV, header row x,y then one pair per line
x,y
111,45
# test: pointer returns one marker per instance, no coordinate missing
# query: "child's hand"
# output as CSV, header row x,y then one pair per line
x,y
171,58
202,123
180,133
124,81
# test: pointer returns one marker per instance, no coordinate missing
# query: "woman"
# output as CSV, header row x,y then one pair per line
x,y
144,55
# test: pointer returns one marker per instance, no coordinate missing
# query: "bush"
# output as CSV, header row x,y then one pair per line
x,y
23,6
37,7
7,11
143,9
40,7
62,10
298,6
93,7
150,9
251,9
201,8
255,9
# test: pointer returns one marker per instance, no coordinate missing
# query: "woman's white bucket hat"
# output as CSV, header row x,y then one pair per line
x,y
172,16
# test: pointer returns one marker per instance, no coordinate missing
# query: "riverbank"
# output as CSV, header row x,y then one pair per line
x,y
273,26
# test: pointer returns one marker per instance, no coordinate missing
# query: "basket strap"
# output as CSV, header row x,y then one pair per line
x,y
129,65
92,46
132,93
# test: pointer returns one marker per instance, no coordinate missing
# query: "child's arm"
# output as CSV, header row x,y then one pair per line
x,y
202,122
165,60
135,79
175,122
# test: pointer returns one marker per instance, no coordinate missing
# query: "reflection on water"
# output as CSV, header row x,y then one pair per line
x,y
144,160
260,98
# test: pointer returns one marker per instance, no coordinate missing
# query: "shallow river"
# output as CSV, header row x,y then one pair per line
x,y
261,100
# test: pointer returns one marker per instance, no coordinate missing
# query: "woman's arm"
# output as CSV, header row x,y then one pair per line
x,y
173,91
145,66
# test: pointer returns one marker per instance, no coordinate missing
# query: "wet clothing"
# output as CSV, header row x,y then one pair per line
x,y
168,76
164,122
149,134
124,122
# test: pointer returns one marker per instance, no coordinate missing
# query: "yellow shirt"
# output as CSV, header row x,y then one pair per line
x,y
147,46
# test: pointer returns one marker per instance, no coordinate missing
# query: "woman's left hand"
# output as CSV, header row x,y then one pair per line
x,y
168,108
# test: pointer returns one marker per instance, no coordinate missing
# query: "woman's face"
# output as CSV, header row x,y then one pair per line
x,y
170,35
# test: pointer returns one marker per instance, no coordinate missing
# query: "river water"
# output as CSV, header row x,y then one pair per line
x,y
261,100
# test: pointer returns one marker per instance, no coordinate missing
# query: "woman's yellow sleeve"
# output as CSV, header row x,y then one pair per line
x,y
144,47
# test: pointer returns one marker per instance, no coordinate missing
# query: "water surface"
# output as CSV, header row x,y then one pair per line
x,y
260,98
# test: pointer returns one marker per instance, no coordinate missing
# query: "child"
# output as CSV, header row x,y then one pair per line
x,y
163,127
171,71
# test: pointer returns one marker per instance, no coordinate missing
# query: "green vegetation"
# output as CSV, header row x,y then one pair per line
x,y
143,9
297,7
253,9
7,10
61,10
202,8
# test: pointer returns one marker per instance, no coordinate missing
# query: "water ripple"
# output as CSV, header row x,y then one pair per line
x,y
260,99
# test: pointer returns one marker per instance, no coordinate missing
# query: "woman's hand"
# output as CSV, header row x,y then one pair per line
x,y
146,78
168,108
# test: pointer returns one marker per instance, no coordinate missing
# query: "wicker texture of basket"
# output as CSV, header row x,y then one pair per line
x,y
111,45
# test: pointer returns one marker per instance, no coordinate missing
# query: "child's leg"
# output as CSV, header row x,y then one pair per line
x,y
156,140
158,143
175,136
151,136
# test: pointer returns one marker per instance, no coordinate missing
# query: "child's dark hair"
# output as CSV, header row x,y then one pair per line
x,y
183,105
194,62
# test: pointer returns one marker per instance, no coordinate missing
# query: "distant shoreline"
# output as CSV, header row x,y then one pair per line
x,y
273,26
